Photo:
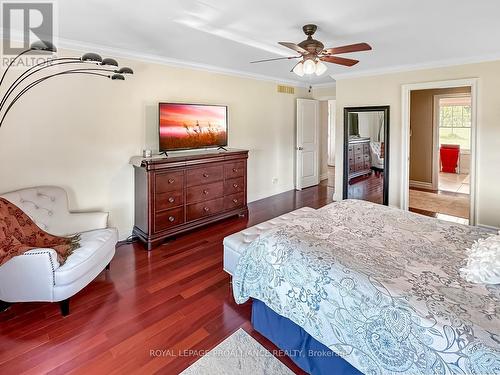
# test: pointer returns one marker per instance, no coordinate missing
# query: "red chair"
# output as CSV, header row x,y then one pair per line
x,y
449,158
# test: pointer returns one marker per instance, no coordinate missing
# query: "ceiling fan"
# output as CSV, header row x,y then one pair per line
x,y
313,52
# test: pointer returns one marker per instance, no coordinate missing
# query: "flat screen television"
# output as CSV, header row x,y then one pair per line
x,y
190,126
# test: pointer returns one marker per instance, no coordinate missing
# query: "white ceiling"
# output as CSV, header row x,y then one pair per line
x,y
228,34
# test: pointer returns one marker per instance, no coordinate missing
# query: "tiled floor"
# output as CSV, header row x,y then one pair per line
x,y
442,202
457,183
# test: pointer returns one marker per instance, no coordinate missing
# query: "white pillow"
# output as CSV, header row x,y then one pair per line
x,y
483,263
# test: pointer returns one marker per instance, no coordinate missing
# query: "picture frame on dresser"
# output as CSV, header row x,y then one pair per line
x,y
186,191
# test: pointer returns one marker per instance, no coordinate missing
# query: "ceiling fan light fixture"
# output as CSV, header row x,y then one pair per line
x,y
309,66
320,68
299,69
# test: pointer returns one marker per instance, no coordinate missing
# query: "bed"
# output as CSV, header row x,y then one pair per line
x,y
378,286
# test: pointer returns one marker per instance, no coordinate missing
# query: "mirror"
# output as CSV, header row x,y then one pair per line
x,y
366,154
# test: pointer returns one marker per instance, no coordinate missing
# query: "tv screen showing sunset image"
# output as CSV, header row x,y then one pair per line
x,y
187,126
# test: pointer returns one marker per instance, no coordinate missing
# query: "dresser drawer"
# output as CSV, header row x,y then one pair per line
x,y
234,201
360,166
233,170
200,210
205,175
169,181
206,192
366,148
169,199
169,218
358,149
235,185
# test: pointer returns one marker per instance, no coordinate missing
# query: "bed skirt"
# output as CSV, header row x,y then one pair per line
x,y
308,353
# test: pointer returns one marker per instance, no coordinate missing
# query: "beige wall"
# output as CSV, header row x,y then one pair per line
x,y
421,123
79,133
386,90
324,93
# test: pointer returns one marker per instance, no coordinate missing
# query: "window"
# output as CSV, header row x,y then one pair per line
x,y
455,121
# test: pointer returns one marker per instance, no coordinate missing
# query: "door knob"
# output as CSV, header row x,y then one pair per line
x,y
300,148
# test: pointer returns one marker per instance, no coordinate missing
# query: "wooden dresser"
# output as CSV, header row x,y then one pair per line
x,y
359,157
182,192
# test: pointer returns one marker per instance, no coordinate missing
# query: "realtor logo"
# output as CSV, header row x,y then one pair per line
x,y
24,23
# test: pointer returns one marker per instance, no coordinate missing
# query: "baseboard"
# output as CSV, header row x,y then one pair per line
x,y
421,185
489,228
324,176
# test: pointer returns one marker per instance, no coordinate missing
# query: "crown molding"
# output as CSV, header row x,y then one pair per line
x,y
413,67
161,60
74,45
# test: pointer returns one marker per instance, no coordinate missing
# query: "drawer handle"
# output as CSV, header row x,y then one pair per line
x,y
206,209
235,170
171,199
171,219
205,175
235,186
171,180
235,200
205,192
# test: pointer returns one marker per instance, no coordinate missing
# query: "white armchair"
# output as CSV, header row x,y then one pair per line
x,y
376,152
37,275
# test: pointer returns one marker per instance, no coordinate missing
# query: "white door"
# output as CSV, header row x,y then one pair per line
x,y
307,148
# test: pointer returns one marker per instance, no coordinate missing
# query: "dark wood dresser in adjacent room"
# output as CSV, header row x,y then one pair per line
x,y
185,191
359,157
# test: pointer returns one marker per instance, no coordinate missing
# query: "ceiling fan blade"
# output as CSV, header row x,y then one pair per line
x,y
295,47
277,58
350,48
291,71
339,60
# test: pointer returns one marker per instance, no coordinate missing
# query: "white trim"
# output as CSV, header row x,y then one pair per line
x,y
412,67
490,228
74,45
421,185
332,120
323,176
435,142
405,132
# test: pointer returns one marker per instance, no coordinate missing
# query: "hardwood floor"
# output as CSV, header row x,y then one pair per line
x,y
174,298
368,188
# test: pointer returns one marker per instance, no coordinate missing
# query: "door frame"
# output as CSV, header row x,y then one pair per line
x,y
406,90
332,118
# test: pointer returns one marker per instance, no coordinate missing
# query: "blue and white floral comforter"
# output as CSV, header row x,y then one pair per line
x,y
379,286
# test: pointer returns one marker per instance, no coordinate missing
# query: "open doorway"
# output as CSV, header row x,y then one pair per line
x,y
453,119
441,133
